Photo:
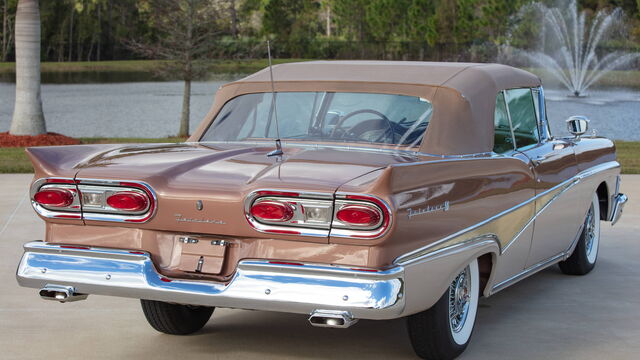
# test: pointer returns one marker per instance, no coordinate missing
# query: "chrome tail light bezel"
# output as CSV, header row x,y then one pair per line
x,y
297,225
79,210
334,203
338,229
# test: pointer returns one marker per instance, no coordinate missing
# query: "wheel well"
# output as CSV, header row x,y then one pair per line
x,y
485,266
603,197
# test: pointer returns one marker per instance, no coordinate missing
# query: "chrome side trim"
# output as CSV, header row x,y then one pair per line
x,y
527,272
618,206
565,185
257,284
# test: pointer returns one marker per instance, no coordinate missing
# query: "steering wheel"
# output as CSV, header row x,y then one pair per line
x,y
382,117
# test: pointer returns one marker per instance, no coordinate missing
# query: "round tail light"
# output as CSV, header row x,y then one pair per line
x,y
272,211
54,197
128,201
358,215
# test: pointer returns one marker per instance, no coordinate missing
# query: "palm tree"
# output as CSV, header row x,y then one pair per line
x,y
28,118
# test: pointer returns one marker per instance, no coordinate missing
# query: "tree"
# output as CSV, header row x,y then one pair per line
x,y
7,34
295,22
185,32
350,18
28,118
387,18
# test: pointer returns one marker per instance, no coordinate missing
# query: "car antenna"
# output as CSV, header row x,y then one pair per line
x,y
278,150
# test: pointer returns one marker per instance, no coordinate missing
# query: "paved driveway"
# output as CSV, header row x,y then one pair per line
x,y
547,316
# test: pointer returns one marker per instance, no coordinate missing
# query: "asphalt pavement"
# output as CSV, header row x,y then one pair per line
x,y
547,316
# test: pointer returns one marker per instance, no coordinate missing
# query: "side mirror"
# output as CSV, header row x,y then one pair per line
x,y
577,125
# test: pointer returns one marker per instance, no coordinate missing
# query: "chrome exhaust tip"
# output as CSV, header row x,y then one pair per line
x,y
61,293
332,319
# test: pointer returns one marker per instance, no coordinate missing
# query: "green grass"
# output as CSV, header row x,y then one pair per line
x,y
15,160
215,66
629,156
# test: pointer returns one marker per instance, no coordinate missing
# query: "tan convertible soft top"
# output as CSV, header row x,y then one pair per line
x,y
463,94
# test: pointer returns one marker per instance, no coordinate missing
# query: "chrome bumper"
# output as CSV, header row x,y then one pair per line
x,y
257,284
618,204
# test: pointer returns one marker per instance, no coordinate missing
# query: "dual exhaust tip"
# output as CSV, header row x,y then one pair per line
x,y
332,319
61,293
319,318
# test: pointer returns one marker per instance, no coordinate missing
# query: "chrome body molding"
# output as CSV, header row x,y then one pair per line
x,y
527,272
257,284
557,190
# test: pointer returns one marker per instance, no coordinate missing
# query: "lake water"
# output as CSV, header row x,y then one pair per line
x,y
152,109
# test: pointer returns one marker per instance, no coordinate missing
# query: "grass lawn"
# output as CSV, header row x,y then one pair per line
x,y
15,160
629,156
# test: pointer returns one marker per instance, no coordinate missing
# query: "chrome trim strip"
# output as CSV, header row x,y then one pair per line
x,y
416,254
480,241
527,272
393,151
257,284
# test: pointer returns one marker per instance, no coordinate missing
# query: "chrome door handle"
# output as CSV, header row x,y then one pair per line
x,y
539,159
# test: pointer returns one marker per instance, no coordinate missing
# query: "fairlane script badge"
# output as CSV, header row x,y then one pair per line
x,y
180,218
442,207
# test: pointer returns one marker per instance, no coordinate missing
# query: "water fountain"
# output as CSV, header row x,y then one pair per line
x,y
569,43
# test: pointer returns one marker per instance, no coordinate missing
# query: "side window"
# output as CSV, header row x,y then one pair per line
x,y
502,139
523,117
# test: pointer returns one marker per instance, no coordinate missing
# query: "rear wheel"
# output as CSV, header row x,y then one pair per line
x,y
175,319
584,256
444,330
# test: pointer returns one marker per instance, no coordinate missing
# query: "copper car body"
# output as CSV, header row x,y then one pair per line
x,y
448,201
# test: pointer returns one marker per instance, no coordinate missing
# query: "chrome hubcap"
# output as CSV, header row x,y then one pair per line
x,y
459,300
590,231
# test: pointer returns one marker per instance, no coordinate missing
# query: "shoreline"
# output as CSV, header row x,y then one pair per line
x,y
237,68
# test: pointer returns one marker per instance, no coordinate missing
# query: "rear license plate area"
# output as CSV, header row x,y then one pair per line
x,y
202,255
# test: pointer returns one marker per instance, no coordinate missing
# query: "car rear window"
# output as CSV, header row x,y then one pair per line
x,y
323,116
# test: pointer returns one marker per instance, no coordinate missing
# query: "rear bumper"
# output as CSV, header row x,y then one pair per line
x,y
618,204
257,284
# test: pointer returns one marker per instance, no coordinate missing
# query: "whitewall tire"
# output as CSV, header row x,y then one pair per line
x,y
584,256
444,330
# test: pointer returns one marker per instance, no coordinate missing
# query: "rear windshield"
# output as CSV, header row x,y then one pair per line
x,y
323,116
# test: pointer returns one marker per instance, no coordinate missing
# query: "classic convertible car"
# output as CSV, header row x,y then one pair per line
x,y
343,190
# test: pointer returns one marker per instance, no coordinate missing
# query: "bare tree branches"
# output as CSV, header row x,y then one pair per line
x,y
185,35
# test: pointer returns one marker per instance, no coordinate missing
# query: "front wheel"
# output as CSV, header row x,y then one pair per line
x,y
444,330
584,256
175,319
